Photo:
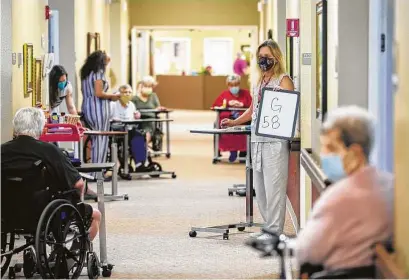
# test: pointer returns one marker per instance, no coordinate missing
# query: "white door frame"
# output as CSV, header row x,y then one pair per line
x,y
380,87
253,29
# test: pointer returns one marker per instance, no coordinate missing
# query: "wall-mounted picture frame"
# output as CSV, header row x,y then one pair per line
x,y
93,42
38,85
321,59
28,69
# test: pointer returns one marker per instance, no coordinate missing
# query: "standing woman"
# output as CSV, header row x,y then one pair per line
x,y
60,89
269,155
95,103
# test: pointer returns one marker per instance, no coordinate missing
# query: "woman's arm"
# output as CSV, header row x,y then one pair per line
x,y
287,83
69,101
245,117
99,91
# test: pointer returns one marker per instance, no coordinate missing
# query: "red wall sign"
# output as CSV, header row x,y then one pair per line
x,y
293,27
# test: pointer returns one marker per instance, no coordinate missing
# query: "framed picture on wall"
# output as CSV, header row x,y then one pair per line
x,y
93,42
321,59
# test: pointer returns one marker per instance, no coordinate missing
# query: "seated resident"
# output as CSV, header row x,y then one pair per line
x,y
124,109
355,212
235,98
146,98
25,149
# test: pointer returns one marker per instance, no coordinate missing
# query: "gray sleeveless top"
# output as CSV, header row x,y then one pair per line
x,y
273,84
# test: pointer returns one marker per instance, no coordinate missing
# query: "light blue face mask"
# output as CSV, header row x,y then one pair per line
x,y
234,90
333,167
61,85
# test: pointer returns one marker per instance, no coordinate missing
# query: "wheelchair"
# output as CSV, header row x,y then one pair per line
x,y
279,245
56,243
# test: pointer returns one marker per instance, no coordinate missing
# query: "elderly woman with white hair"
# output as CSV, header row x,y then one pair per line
x,y
235,97
146,98
356,211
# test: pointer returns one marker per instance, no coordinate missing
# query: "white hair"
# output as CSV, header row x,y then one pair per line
x,y
29,121
126,86
357,126
149,80
234,78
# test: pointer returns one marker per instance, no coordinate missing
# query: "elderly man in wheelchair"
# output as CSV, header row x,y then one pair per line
x,y
351,216
41,200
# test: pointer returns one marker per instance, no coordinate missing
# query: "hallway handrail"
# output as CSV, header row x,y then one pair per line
x,y
318,178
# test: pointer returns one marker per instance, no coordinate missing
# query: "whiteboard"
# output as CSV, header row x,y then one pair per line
x,y
277,113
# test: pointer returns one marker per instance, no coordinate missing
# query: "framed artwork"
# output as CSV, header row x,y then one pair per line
x,y
93,42
28,69
321,59
38,86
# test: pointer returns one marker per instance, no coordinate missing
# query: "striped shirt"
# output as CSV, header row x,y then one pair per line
x,y
92,106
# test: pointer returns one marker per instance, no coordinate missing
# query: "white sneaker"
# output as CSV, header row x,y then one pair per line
x,y
255,234
264,236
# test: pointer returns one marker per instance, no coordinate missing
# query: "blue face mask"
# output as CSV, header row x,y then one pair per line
x,y
61,85
333,167
234,90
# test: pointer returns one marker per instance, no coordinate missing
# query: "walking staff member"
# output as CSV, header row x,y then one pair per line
x,y
269,155
95,104
60,89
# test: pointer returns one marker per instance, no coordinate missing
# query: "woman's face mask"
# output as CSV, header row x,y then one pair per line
x,y
234,90
266,63
146,90
62,85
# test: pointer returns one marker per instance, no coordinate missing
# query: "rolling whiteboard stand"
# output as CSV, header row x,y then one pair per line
x,y
278,114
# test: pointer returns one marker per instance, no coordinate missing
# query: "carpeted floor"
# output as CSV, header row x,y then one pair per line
x,y
148,235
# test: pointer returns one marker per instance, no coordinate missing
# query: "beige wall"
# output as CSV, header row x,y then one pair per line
x,y
193,12
119,33
28,26
239,36
402,137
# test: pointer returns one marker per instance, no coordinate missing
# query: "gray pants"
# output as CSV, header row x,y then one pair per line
x,y
270,176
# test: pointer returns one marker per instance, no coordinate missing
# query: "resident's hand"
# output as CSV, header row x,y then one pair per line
x,y
137,115
227,123
161,108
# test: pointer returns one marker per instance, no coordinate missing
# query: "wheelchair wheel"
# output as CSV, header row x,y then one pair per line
x,y
93,265
61,241
153,167
7,244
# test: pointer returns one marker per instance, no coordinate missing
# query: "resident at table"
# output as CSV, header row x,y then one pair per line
x,y
146,98
235,98
269,155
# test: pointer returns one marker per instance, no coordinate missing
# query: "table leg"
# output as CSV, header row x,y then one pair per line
x,y
216,139
167,136
126,153
81,154
102,227
249,184
114,151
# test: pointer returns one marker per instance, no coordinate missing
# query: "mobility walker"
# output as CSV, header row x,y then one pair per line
x,y
281,245
57,244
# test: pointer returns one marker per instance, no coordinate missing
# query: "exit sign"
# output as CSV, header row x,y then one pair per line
x,y
293,27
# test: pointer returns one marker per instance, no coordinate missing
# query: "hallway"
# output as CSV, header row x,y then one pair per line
x,y
148,235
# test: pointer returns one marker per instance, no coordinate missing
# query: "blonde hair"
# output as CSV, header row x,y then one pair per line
x,y
279,66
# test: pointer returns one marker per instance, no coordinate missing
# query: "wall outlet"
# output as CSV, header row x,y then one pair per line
x,y
43,41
